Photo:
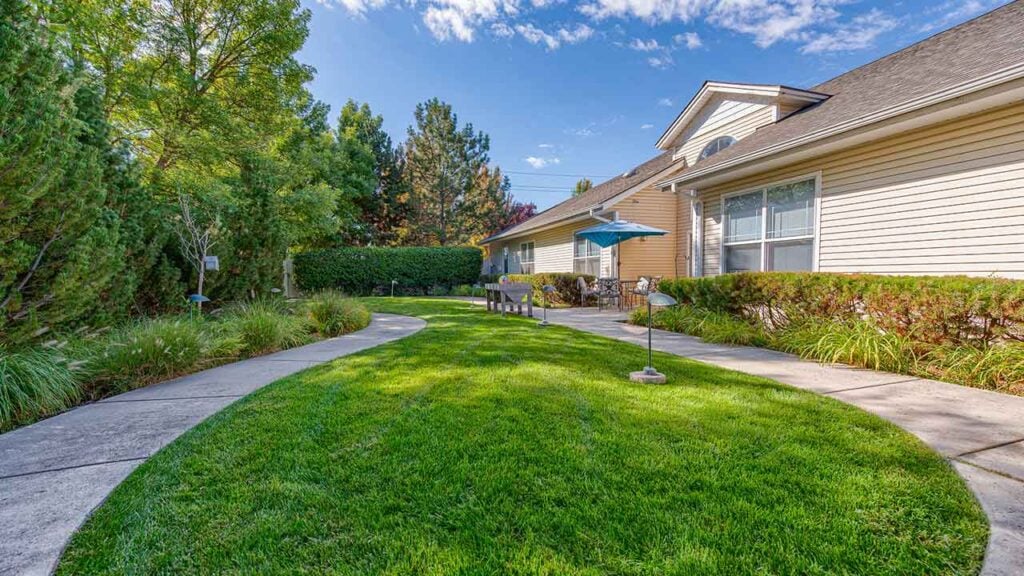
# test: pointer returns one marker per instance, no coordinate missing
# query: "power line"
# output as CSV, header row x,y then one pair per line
x,y
554,174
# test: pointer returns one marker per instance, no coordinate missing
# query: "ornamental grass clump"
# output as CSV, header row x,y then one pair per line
x,y
331,313
34,384
144,352
713,326
997,367
263,326
858,343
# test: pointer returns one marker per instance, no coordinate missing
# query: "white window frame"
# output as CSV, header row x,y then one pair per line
x,y
522,256
576,258
815,238
702,156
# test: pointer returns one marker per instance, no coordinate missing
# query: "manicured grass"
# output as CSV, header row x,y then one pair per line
x,y
484,445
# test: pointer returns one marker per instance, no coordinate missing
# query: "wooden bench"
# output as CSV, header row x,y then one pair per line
x,y
509,294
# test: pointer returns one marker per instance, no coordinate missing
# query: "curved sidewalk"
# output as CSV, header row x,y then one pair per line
x,y
55,472
980,432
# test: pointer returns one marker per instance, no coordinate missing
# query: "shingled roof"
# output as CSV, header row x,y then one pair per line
x,y
975,49
596,196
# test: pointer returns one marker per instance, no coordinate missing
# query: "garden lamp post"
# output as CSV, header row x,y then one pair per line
x,y
393,282
547,289
649,375
197,301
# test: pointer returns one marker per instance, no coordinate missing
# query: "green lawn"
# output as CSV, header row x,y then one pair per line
x,y
484,445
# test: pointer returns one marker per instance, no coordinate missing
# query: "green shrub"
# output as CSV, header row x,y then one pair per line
x,y
363,271
467,290
709,325
567,291
932,311
34,384
333,314
858,343
145,352
265,326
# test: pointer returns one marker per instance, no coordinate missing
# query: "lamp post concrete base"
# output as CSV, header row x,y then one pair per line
x,y
647,377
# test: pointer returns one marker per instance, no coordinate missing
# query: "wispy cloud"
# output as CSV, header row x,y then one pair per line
x,y
554,40
665,102
645,45
538,162
660,62
545,146
953,12
646,126
813,25
857,34
691,40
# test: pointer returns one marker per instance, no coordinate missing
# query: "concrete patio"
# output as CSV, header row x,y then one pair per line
x,y
56,471
980,432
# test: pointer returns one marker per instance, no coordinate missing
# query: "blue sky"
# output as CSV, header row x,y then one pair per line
x,y
568,88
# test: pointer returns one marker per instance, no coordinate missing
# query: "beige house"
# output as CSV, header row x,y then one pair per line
x,y
912,164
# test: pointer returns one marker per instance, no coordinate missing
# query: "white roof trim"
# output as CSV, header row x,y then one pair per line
x,y
1003,76
585,213
777,93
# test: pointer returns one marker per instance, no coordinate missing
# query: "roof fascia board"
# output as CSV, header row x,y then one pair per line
x,y
648,183
550,225
1004,76
710,88
604,206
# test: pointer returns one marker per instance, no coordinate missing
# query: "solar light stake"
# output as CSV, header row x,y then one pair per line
x,y
548,288
393,282
649,375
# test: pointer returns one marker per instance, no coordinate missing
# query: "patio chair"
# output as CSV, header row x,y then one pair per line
x,y
585,291
608,290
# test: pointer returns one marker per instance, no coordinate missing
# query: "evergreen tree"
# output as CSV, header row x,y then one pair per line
x,y
582,186
444,163
60,247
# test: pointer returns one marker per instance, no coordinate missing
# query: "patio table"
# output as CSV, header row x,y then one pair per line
x,y
511,294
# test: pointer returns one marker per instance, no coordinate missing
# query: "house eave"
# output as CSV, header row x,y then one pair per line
x,y
1002,87
778,94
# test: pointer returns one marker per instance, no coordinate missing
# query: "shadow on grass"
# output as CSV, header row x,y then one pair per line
x,y
489,445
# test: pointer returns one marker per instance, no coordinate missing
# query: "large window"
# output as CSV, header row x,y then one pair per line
x,y
716,146
586,257
770,229
526,258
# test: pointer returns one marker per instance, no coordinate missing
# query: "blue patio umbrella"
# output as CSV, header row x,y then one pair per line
x,y
617,231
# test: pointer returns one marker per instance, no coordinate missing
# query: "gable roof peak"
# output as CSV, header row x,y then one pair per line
x,y
777,93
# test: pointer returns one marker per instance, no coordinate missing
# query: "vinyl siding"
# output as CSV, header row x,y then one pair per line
x,y
948,199
655,255
553,249
730,118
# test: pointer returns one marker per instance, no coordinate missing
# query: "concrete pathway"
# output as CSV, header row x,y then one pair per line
x,y
55,472
980,432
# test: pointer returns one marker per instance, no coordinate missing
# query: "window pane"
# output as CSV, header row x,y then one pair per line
x,y
791,256
745,258
526,252
743,218
791,210
593,249
581,247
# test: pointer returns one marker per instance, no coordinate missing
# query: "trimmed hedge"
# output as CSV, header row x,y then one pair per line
x,y
364,271
932,310
567,292
955,328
